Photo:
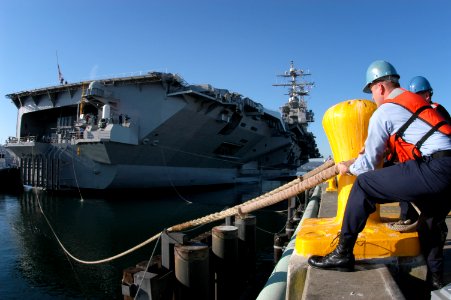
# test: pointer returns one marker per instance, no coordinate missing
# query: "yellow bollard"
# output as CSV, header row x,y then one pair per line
x,y
346,127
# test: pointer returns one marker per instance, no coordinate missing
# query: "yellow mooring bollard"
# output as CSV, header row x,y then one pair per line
x,y
332,185
346,127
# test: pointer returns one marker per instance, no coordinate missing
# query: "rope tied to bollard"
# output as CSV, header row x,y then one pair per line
x,y
404,226
309,180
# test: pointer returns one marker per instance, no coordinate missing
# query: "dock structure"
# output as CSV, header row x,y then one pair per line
x,y
292,278
384,278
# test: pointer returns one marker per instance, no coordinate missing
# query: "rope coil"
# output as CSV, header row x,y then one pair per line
x,y
404,226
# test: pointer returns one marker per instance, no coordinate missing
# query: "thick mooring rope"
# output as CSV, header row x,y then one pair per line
x,y
291,189
283,192
93,262
402,226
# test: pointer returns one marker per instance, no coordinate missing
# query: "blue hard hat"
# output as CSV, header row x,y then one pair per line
x,y
419,84
377,70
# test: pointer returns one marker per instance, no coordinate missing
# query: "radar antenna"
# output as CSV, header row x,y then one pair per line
x,y
295,110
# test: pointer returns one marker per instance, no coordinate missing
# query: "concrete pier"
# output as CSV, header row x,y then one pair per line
x,y
385,278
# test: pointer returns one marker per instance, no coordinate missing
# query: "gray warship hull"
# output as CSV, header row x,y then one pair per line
x,y
9,173
151,130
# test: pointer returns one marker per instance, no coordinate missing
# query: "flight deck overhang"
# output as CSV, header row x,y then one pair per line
x,y
53,92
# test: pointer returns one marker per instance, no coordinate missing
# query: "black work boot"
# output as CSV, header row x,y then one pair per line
x,y
341,259
436,281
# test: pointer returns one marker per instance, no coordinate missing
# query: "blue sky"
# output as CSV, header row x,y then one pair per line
x,y
236,44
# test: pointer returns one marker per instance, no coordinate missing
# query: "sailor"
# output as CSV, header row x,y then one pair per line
x,y
421,86
422,176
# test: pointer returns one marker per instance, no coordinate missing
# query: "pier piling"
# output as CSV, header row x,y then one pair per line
x,y
225,256
192,270
246,247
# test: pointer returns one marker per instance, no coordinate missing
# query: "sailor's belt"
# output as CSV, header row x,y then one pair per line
x,y
444,153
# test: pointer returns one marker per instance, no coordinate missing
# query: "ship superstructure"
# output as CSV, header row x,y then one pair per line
x,y
152,130
295,113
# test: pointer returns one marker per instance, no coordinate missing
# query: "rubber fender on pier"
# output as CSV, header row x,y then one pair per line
x,y
275,287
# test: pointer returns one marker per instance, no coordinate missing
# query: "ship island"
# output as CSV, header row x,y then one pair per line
x,y
156,130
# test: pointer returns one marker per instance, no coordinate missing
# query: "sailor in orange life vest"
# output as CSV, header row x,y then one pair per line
x,y
421,86
422,176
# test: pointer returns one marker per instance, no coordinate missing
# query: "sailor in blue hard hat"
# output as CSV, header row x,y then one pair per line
x,y
419,84
380,70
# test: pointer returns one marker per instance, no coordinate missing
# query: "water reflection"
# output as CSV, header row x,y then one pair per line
x,y
95,228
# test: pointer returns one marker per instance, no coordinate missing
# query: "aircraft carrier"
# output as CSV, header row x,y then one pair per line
x,y
156,130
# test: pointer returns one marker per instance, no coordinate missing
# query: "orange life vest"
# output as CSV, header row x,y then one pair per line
x,y
442,111
400,150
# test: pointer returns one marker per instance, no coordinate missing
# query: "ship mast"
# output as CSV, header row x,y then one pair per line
x,y
295,112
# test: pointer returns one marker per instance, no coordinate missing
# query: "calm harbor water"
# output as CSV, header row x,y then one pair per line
x,y
33,265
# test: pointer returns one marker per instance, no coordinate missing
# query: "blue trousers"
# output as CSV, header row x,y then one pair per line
x,y
425,182
408,212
